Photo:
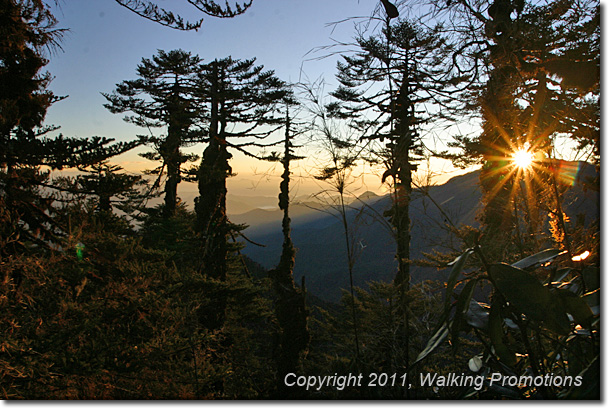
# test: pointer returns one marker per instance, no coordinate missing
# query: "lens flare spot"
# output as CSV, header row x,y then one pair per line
x,y
80,248
567,172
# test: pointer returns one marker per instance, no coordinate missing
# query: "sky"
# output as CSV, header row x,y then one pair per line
x,y
106,42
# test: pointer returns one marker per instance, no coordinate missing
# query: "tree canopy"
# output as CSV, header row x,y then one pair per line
x,y
28,30
163,97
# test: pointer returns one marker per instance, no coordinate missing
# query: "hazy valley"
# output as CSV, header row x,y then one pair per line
x,y
317,232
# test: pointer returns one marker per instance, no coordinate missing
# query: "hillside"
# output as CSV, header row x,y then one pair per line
x,y
318,235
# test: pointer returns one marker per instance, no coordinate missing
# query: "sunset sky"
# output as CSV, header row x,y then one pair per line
x,y
106,42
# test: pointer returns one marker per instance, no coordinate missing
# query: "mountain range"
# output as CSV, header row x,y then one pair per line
x,y
318,233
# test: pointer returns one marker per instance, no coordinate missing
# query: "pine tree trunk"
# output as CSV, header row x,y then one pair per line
x,y
104,203
290,307
212,224
211,209
173,175
402,223
499,123
405,135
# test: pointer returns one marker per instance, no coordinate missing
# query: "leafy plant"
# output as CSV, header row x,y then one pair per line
x,y
541,320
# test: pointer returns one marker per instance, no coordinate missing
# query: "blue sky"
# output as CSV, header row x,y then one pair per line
x,y
106,42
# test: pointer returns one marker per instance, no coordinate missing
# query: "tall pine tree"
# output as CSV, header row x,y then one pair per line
x,y
384,88
241,105
290,307
163,97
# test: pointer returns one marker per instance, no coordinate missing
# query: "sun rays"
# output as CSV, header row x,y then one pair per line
x,y
519,164
523,158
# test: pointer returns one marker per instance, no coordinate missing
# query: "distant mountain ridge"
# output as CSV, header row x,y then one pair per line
x,y
318,235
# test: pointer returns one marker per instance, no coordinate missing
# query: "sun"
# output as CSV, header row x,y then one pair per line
x,y
523,158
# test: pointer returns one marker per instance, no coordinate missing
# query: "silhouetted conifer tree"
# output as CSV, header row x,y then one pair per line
x,y
241,109
543,83
382,87
163,97
290,307
107,186
27,28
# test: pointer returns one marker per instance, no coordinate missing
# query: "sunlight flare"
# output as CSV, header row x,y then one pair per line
x,y
581,257
523,158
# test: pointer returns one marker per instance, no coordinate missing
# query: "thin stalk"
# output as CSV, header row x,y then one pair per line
x,y
350,265
532,356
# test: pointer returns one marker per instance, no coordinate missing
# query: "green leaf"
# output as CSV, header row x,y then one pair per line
x,y
590,383
463,303
537,259
576,306
560,274
477,315
591,275
523,291
496,335
434,342
458,264
475,364
592,300
527,295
